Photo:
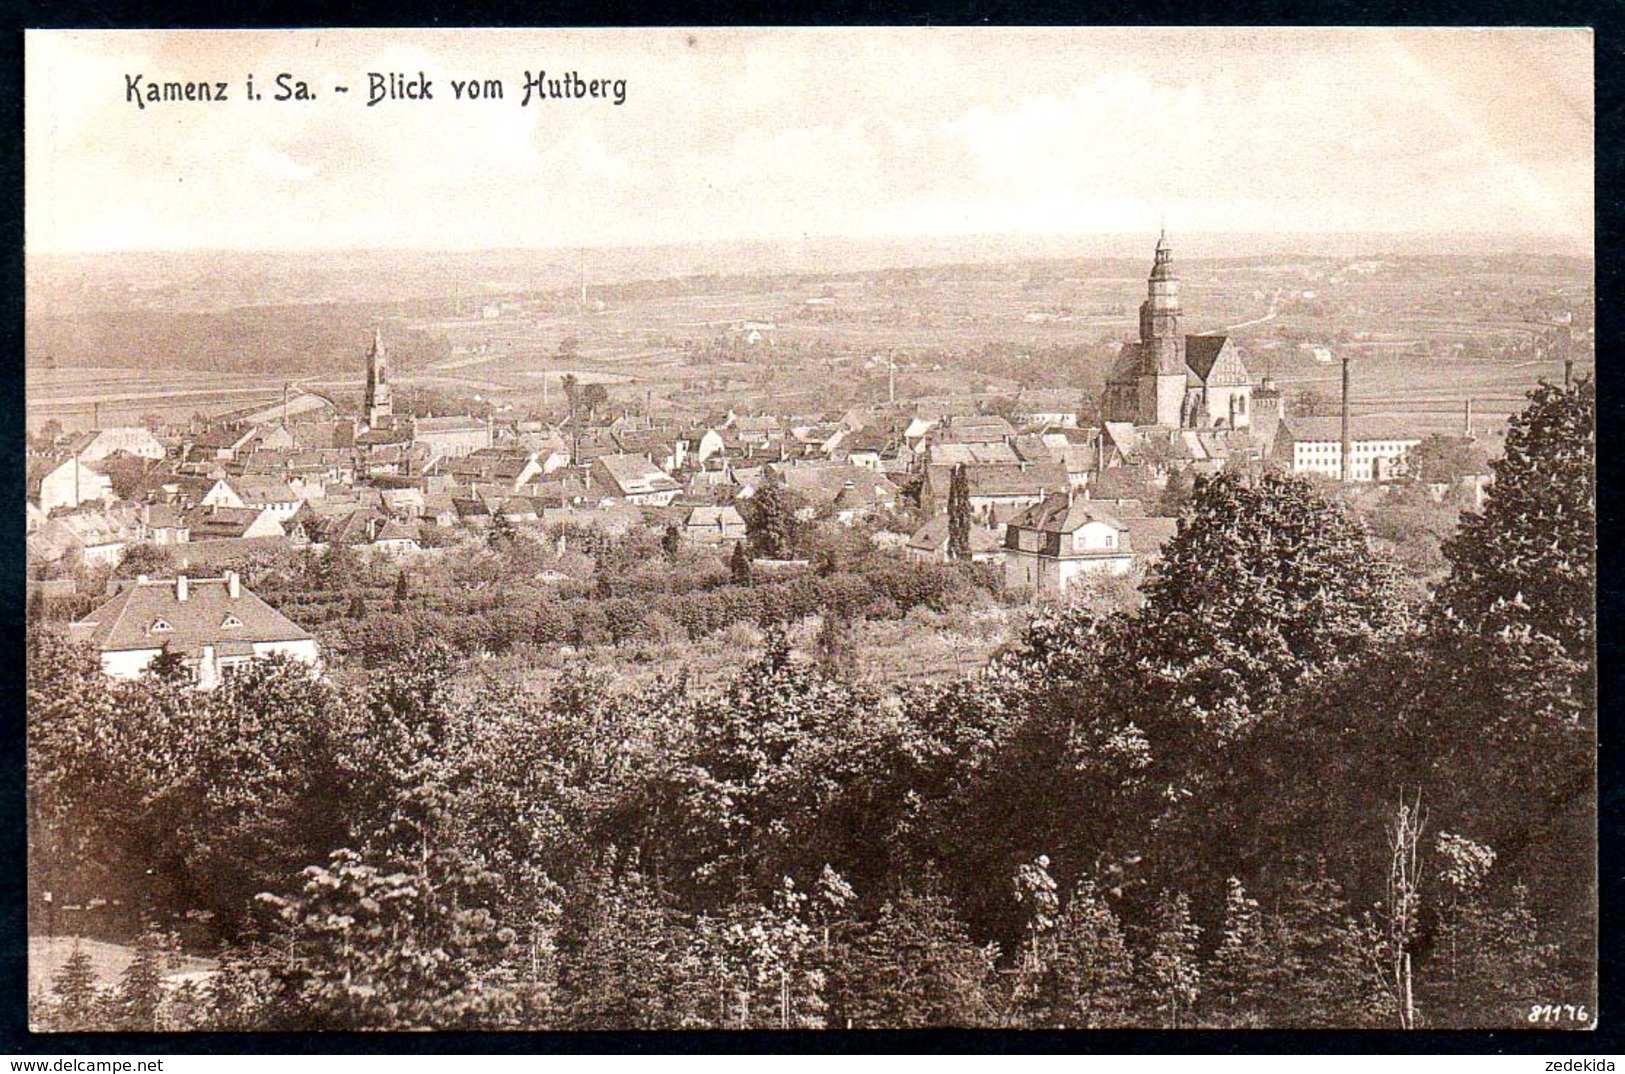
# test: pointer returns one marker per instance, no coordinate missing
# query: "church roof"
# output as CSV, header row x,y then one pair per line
x,y
1202,351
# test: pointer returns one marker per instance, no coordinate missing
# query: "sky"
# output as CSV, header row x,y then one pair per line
x,y
772,134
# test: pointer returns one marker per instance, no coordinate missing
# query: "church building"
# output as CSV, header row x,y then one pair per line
x,y
1172,380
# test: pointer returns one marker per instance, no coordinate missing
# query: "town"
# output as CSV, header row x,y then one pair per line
x,y
1056,493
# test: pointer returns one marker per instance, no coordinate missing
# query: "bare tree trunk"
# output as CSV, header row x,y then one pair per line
x,y
1404,843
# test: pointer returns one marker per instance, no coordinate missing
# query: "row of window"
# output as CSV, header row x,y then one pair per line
x,y
161,626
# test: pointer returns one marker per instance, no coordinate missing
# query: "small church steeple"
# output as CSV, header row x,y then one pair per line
x,y
378,407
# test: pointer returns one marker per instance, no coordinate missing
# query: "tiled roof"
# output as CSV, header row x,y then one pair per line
x,y
126,621
1202,351
1360,428
1063,513
635,475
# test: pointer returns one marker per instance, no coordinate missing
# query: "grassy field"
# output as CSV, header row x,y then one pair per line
x,y
811,338
46,955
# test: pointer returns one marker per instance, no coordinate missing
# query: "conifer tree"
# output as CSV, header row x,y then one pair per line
x,y
959,513
74,986
1090,980
914,967
1170,978
739,565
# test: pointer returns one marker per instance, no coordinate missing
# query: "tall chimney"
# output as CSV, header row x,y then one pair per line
x,y
1467,423
1346,468
1568,370
180,587
234,588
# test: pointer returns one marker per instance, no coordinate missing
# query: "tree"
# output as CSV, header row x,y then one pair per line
x,y
836,653
594,397
149,559
1309,403
358,607
1171,978
1239,992
1446,459
169,666
572,388
500,535
671,541
1528,561
1090,983
959,513
1265,582
401,592
74,986
140,989
394,944
770,520
739,565
914,967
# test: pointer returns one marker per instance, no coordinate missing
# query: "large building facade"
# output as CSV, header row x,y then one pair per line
x,y
1173,380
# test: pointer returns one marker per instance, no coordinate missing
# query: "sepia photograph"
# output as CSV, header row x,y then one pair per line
x,y
851,528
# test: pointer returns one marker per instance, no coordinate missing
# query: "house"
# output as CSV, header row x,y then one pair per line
x,y
215,624
844,491
511,469
721,524
54,483
164,525
1052,407
98,444
223,442
90,536
1379,448
978,453
1050,546
231,523
634,479
452,436
260,493
930,543
994,487
759,429
356,527
396,538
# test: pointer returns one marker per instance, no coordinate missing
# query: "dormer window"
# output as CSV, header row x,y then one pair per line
x,y
160,626
230,622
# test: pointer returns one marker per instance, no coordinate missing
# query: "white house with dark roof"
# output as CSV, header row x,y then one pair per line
x,y
215,624
1053,544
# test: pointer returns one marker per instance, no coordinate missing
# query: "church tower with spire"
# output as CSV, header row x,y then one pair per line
x,y
1162,345
377,406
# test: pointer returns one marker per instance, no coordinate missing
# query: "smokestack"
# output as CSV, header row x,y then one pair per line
x,y
1346,468
1467,423
1568,370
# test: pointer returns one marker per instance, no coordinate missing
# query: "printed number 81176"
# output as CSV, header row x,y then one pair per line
x,y
1549,1013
